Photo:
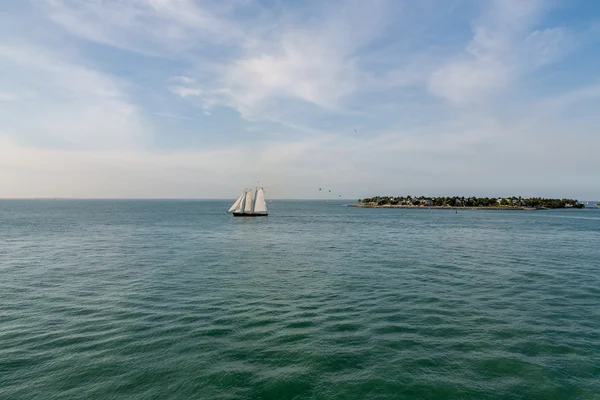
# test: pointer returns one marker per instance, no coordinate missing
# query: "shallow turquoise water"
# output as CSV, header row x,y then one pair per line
x,y
178,300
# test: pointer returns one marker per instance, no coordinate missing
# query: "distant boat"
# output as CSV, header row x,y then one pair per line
x,y
246,206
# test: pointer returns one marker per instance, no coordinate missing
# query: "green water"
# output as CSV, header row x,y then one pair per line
x,y
178,300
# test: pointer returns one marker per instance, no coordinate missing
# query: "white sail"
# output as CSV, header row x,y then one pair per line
x,y
240,206
248,202
237,203
260,205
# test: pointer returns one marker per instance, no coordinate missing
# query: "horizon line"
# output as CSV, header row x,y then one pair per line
x,y
157,198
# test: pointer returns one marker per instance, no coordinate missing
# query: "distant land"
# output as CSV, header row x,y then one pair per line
x,y
495,203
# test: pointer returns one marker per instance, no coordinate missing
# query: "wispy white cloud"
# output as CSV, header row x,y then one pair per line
x,y
66,104
269,60
315,64
167,115
504,46
275,58
164,28
183,91
183,79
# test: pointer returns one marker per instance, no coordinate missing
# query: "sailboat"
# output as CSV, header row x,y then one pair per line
x,y
245,206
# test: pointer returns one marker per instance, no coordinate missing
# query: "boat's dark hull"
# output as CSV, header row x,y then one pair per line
x,y
249,214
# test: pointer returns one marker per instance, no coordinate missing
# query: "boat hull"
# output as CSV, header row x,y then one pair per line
x,y
243,214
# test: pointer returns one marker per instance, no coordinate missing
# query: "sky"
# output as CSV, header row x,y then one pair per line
x,y
201,99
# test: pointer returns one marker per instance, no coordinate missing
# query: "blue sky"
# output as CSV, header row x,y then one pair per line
x,y
192,98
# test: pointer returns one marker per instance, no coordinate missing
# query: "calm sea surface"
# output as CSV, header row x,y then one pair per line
x,y
179,300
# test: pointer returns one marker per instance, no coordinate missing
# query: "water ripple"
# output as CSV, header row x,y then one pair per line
x,y
143,299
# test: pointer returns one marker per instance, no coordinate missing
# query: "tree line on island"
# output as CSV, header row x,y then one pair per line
x,y
457,201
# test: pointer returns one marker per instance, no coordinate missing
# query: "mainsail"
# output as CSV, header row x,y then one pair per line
x,y
248,202
260,206
237,203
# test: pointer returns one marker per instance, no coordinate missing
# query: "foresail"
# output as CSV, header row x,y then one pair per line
x,y
237,203
240,206
259,204
248,202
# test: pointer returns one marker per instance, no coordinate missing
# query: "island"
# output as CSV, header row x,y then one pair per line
x,y
493,203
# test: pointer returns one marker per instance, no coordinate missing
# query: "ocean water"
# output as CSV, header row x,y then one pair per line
x,y
153,299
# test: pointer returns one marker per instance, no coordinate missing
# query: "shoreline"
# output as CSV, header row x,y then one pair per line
x,y
448,207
